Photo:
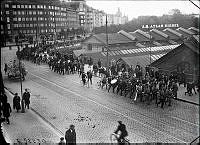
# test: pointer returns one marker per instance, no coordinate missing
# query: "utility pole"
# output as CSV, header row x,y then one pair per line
x,y
150,49
20,70
107,43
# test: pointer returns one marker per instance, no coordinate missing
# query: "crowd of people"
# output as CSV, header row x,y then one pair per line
x,y
143,84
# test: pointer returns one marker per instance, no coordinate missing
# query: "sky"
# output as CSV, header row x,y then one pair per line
x,y
135,8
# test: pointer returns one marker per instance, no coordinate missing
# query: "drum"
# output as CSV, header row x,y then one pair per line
x,y
113,81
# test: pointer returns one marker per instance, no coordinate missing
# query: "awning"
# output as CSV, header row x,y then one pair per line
x,y
142,60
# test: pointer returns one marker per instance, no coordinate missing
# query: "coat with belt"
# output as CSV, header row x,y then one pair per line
x,y
70,137
16,103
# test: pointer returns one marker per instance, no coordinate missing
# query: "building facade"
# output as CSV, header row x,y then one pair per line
x,y
36,18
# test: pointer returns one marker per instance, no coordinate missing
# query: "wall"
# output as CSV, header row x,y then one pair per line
x,y
183,59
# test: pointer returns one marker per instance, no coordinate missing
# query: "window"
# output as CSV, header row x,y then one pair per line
x,y
8,26
7,12
9,32
23,12
19,13
30,19
22,6
14,13
34,19
23,19
14,19
30,7
27,19
26,6
20,25
23,25
8,19
30,12
6,5
24,31
34,12
18,6
44,7
31,31
31,25
33,6
28,31
13,6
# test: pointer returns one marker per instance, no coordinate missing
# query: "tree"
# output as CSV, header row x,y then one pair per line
x,y
175,12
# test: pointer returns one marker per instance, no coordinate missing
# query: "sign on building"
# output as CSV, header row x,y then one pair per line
x,y
160,26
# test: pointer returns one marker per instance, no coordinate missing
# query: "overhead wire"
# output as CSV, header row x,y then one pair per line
x,y
194,4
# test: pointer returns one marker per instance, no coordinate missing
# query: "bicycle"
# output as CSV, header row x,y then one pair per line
x,y
114,139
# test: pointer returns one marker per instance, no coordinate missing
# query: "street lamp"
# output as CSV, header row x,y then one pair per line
x,y
20,71
107,43
150,49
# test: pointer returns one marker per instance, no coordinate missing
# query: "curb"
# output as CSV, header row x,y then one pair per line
x,y
187,101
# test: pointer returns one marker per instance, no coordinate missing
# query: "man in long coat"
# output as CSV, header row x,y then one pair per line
x,y
70,136
26,98
16,102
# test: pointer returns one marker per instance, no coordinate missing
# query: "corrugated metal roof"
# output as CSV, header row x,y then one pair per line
x,y
122,32
142,60
179,35
160,33
185,31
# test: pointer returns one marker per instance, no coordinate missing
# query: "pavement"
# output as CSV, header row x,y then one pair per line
x,y
28,128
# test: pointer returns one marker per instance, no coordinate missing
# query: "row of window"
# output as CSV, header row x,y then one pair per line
x,y
36,6
39,31
39,19
41,25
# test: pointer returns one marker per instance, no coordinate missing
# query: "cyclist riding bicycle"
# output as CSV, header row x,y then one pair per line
x,y
122,128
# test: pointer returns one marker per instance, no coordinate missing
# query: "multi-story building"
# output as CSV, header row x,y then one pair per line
x,y
34,18
115,19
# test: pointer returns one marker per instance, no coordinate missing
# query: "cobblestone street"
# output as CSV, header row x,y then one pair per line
x,y
96,112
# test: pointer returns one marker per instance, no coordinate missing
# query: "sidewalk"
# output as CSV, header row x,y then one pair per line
x,y
28,128
194,99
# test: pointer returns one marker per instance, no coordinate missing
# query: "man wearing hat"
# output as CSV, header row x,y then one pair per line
x,y
26,98
16,102
70,136
122,128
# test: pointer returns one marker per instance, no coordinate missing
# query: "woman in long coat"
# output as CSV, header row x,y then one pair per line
x,y
16,102
6,112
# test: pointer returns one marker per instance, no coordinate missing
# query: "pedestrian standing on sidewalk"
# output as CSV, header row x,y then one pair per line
x,y
26,98
6,111
5,68
70,136
16,102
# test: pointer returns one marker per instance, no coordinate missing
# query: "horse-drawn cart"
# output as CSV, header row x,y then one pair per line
x,y
14,70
